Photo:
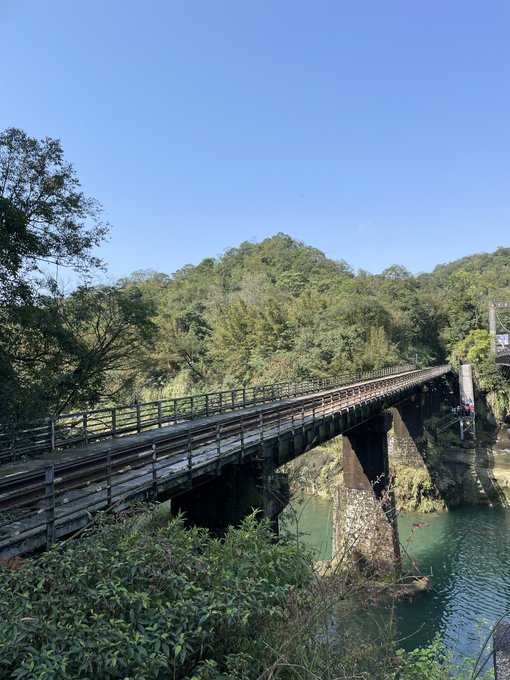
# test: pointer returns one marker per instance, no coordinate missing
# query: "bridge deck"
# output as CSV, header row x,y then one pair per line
x,y
47,498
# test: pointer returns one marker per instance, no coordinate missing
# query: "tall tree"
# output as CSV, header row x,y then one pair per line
x,y
44,216
45,220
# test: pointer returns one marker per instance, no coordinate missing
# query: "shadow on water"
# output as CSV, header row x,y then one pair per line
x,y
484,468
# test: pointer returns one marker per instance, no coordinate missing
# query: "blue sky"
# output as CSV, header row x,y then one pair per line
x,y
376,131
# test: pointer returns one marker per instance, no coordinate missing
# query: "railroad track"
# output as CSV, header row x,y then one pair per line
x,y
51,497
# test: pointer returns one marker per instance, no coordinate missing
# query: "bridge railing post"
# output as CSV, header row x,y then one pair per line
x,y
138,419
218,439
114,422
160,417
154,470
49,493
189,451
85,431
53,443
108,478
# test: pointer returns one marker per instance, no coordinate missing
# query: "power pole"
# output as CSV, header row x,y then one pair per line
x,y
493,305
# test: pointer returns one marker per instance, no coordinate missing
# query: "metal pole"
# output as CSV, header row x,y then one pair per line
x,y
52,433
190,454
109,477
50,505
492,325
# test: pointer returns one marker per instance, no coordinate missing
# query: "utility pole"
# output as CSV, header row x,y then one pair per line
x,y
492,324
493,305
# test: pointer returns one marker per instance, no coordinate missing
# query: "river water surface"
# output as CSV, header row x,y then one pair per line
x,y
466,550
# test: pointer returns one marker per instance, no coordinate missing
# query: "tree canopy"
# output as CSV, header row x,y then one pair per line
x,y
44,216
56,351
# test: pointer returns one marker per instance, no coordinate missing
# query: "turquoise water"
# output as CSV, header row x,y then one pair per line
x,y
467,552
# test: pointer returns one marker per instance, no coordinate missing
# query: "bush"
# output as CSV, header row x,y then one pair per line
x,y
136,602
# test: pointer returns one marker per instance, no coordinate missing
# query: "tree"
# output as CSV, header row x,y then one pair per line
x,y
44,217
70,352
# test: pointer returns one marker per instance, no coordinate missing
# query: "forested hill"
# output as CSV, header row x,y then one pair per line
x,y
280,309
489,273
262,312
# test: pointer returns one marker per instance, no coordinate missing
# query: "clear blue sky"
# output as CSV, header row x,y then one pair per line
x,y
376,131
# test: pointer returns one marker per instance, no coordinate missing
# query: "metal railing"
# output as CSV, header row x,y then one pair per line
x,y
31,439
41,503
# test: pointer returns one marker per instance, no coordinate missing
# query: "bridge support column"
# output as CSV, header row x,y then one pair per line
x,y
405,444
227,498
365,535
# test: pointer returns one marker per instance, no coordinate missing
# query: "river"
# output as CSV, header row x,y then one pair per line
x,y
466,550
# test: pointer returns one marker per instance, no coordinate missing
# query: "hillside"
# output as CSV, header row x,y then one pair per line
x,y
262,312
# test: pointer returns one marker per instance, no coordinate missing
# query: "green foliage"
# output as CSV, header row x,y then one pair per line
x,y
415,490
60,353
44,217
277,310
434,663
147,598
153,602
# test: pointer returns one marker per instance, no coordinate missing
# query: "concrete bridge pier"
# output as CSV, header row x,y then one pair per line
x,y
226,498
406,445
365,534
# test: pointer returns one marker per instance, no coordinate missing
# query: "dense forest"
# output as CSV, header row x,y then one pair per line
x,y
260,313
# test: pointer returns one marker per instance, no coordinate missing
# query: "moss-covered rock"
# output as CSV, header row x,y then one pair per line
x,y
415,490
318,471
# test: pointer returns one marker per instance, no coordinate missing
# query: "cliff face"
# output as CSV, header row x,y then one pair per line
x,y
318,471
481,475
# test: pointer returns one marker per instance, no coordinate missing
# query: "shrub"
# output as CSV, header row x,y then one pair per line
x,y
129,601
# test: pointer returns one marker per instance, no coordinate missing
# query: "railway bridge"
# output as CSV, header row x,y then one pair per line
x,y
217,456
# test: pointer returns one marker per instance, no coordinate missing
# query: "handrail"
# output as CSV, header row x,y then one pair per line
x,y
35,438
